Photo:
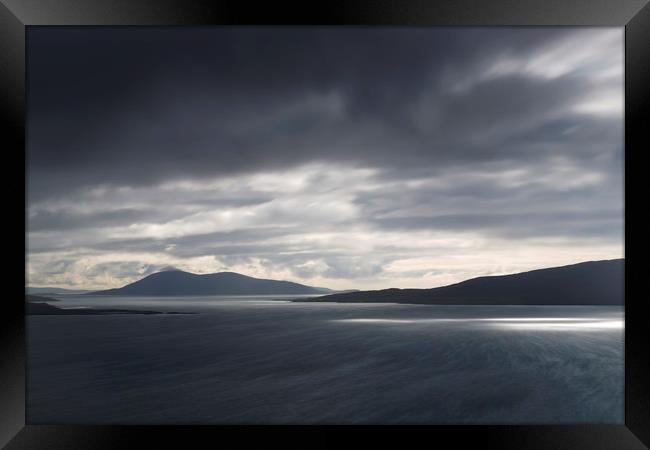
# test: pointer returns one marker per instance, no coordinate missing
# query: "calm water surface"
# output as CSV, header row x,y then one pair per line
x,y
259,360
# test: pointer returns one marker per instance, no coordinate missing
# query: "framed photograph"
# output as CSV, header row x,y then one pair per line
x,y
379,217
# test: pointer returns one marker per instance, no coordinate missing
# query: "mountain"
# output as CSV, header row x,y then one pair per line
x,y
179,283
588,283
52,290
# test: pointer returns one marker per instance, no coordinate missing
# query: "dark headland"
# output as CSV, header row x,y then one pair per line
x,y
180,283
587,283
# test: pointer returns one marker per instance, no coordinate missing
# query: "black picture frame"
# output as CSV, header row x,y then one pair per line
x,y
16,15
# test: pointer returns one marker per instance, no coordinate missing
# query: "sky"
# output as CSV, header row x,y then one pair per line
x,y
361,158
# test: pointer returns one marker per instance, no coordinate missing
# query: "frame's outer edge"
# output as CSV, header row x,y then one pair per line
x,y
342,12
637,111
378,12
12,312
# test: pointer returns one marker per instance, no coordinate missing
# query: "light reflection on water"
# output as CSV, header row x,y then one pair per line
x,y
596,325
510,323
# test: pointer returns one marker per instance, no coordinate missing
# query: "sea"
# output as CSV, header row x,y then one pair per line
x,y
269,360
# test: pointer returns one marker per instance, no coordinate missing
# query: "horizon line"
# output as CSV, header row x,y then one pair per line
x,y
174,269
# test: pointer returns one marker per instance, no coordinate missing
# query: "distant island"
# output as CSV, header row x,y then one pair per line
x,y
180,283
587,283
39,299
52,291
39,306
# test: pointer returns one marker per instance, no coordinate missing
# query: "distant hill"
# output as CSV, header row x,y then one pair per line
x,y
179,283
588,283
53,290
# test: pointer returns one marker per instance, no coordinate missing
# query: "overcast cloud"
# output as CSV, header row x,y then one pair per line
x,y
337,157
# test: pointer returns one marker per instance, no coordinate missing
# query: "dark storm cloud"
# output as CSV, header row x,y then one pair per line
x,y
131,107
